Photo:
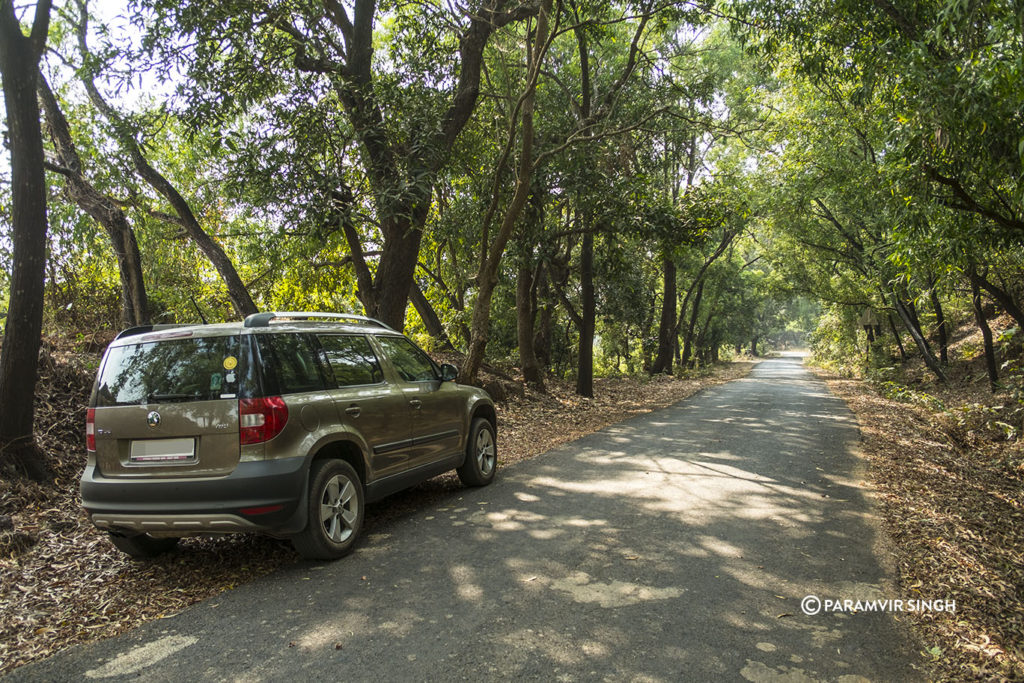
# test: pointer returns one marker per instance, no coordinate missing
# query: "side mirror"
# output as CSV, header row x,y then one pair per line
x,y
449,372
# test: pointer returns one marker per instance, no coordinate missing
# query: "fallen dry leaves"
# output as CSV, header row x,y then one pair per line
x,y
955,512
62,582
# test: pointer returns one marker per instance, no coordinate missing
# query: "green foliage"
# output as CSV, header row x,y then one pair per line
x,y
833,341
795,155
899,392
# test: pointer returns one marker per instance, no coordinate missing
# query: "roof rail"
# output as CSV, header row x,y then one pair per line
x,y
142,329
263,319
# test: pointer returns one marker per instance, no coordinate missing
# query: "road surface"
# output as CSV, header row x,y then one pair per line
x,y
675,546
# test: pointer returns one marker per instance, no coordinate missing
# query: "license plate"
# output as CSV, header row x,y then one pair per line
x,y
163,451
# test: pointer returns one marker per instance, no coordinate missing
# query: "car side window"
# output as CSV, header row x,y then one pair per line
x,y
412,364
351,359
290,361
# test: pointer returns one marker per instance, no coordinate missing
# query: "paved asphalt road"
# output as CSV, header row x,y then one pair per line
x,y
675,546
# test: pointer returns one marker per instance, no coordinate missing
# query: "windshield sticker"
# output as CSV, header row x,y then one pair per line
x,y
216,382
230,363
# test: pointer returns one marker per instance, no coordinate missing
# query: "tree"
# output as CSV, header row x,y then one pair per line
x,y
183,213
19,69
406,109
491,251
101,207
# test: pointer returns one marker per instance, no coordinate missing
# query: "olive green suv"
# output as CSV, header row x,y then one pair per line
x,y
285,424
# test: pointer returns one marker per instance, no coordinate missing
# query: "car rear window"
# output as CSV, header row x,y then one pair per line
x,y
351,359
174,370
289,363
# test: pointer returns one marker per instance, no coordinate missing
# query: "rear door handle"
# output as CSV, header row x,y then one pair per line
x,y
353,410
416,403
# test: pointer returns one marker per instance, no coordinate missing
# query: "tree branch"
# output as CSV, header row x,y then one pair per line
x,y
830,217
577,319
339,17
40,29
627,70
346,260
57,168
970,204
471,50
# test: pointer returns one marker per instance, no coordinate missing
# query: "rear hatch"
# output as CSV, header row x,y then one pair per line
x,y
166,405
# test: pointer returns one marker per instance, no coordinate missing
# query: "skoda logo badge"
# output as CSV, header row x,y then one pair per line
x,y
153,419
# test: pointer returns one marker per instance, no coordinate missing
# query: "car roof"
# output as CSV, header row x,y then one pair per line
x,y
260,323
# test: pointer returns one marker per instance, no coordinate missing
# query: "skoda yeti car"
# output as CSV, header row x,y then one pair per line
x,y
285,424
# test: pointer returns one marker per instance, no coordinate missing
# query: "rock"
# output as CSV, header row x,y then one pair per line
x,y
500,391
496,391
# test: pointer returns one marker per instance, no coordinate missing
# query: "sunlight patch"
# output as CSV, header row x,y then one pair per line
x,y
582,588
141,657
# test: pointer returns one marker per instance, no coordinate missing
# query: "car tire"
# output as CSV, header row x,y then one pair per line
x,y
142,546
334,513
481,455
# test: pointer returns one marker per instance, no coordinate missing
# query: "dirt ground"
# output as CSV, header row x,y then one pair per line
x,y
952,492
62,582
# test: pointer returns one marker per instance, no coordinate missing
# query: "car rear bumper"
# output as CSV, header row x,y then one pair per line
x,y
172,525
265,496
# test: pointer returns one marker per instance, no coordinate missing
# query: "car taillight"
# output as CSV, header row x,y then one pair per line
x,y
90,430
261,419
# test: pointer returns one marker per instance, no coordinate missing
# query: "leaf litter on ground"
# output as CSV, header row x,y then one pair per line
x,y
952,502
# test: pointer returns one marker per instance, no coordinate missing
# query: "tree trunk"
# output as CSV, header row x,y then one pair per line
x,y
908,302
19,357
545,312
1003,297
402,168
487,281
667,326
915,333
986,331
395,271
134,301
525,333
688,339
917,330
940,322
237,291
707,346
727,237
429,317
103,209
585,373
753,346
896,336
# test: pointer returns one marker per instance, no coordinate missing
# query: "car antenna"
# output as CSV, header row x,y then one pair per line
x,y
198,310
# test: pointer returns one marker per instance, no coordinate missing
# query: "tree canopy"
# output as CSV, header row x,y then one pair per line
x,y
572,188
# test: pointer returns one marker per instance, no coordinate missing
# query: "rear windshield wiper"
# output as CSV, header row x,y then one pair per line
x,y
163,398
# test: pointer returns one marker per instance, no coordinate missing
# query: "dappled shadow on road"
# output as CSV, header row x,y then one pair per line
x,y
678,543
674,545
